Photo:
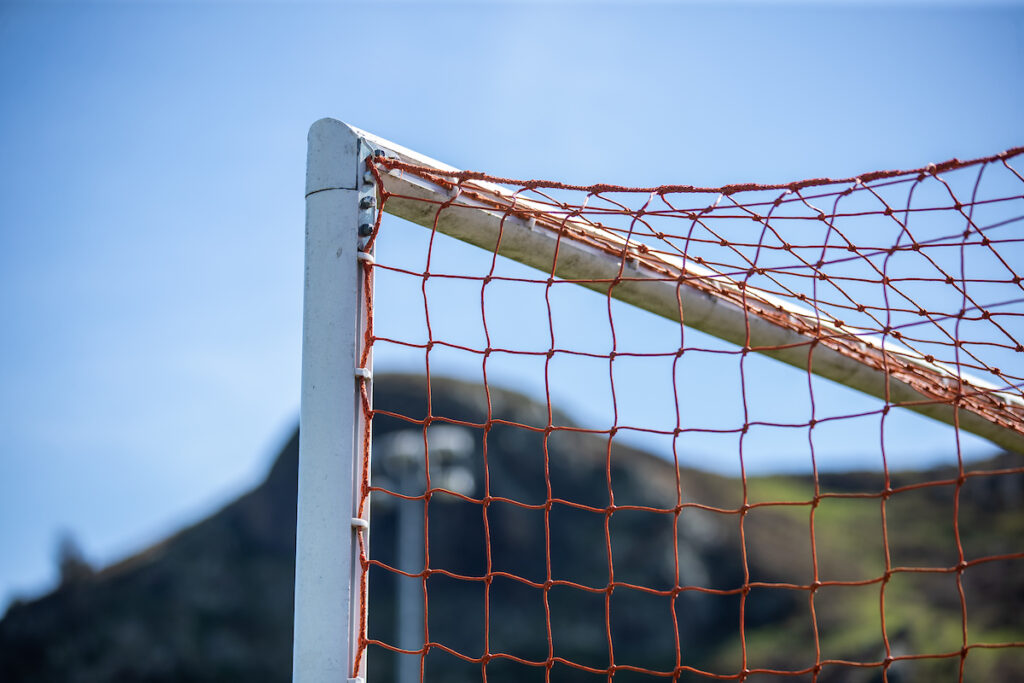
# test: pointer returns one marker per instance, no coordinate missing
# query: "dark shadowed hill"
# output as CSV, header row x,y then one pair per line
x,y
213,602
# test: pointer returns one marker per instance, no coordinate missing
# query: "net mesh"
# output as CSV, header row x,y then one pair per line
x,y
555,548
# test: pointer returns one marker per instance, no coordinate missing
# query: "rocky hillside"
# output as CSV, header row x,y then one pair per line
x,y
213,602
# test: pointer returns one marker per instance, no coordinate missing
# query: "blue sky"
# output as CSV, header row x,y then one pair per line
x,y
152,167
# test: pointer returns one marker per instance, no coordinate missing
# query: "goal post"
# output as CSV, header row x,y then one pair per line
x,y
354,176
328,594
489,216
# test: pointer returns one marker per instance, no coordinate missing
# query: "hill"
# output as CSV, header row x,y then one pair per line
x,y
213,602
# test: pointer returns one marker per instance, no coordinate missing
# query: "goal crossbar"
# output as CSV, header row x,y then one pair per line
x,y
434,195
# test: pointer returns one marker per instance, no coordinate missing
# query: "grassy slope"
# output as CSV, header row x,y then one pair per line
x,y
923,612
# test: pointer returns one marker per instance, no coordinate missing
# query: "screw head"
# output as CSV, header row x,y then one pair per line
x,y
367,202
365,230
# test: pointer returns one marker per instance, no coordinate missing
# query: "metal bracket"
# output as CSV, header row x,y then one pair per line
x,y
367,199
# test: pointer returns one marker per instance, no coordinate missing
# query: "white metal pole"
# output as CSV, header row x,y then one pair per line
x,y
650,283
327,598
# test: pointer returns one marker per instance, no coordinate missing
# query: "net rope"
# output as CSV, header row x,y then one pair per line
x,y
912,273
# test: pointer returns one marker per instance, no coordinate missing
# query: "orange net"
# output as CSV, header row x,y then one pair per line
x,y
566,488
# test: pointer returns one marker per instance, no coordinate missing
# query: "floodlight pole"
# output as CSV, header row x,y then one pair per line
x,y
402,455
328,599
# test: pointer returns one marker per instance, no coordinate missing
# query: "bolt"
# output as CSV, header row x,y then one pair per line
x,y
367,202
365,230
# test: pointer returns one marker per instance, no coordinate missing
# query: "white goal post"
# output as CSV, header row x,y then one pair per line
x,y
327,599
341,197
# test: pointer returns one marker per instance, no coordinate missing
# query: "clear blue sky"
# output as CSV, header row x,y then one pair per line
x,y
151,190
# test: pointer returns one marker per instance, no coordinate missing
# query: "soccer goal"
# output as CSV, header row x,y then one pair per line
x,y
748,432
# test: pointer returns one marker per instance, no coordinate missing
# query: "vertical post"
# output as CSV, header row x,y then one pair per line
x,y
409,556
327,598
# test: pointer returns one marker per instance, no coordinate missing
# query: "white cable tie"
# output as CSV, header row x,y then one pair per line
x,y
359,523
365,373
366,256
354,680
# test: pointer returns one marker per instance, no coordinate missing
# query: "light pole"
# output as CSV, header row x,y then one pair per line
x,y
402,458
